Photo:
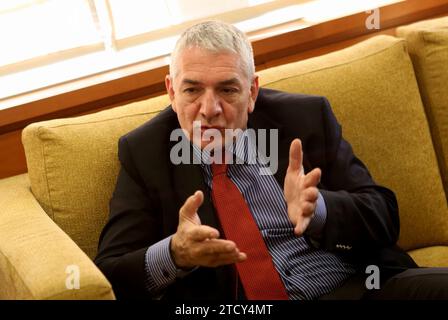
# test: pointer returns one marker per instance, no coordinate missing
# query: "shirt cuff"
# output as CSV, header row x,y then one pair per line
x,y
317,223
160,268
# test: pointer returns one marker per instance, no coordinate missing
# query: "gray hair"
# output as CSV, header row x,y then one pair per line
x,y
215,36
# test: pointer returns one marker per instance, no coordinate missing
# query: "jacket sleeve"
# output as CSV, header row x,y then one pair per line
x,y
361,215
130,230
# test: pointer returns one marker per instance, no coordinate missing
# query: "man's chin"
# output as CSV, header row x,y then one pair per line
x,y
210,146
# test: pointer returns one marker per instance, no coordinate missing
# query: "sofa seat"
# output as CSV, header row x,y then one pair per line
x,y
434,256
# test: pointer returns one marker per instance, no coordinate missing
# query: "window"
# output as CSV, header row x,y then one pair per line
x,y
33,29
46,42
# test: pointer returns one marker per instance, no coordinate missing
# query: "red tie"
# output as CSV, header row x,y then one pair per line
x,y
258,275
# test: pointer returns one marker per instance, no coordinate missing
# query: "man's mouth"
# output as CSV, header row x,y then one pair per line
x,y
213,134
204,128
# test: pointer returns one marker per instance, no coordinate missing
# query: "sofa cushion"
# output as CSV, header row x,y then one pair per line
x,y
36,256
436,256
428,48
73,164
372,89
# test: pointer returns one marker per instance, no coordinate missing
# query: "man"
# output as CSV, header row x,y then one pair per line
x,y
186,230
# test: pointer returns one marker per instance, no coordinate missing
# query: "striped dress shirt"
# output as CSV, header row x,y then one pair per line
x,y
307,272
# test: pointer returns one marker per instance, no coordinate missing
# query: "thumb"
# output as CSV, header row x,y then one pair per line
x,y
295,155
191,206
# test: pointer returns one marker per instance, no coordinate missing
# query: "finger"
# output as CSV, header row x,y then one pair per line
x,y
312,178
308,209
225,258
310,194
216,252
295,155
202,233
216,246
298,226
191,205
241,256
301,226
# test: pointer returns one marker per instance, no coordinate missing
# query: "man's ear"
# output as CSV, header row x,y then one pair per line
x,y
254,88
170,90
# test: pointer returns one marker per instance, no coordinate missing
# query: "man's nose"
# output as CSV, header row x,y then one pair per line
x,y
210,105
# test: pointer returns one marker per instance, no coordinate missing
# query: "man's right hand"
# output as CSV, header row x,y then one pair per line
x,y
194,244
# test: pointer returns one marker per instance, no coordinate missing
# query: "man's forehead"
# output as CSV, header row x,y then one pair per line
x,y
192,60
195,51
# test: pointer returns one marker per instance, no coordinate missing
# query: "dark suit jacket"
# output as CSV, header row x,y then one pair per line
x,y
362,217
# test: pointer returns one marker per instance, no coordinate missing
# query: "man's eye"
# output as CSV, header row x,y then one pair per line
x,y
229,90
190,90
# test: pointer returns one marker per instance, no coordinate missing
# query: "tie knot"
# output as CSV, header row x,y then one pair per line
x,y
218,169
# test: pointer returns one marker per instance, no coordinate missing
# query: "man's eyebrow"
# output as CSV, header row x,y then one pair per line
x,y
190,81
230,82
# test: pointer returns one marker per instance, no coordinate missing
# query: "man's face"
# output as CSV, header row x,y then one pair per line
x,y
213,89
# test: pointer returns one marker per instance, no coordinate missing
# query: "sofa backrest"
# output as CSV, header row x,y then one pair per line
x,y
374,94
73,162
428,48
73,165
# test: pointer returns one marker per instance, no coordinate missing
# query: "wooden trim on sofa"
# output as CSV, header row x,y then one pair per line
x,y
144,80
12,155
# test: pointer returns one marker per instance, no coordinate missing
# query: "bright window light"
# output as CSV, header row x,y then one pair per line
x,y
146,16
323,10
37,28
48,42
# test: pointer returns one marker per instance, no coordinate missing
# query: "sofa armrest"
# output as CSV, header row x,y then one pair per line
x,y
37,259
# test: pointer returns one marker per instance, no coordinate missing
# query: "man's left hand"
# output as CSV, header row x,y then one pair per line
x,y
300,189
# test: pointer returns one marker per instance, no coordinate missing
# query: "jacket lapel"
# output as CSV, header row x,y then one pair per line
x,y
187,179
261,121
